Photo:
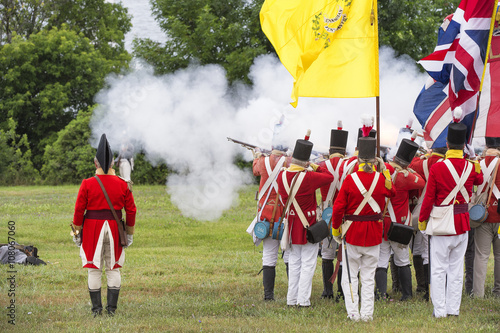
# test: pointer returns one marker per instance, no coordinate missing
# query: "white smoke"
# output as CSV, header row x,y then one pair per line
x,y
184,118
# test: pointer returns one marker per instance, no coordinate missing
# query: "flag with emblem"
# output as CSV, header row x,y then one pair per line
x,y
330,47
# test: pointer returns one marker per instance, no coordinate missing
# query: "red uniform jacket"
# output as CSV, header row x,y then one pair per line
x,y
418,165
91,197
493,216
441,183
306,198
400,202
259,169
361,233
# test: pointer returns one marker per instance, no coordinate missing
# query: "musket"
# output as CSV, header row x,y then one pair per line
x,y
250,146
348,270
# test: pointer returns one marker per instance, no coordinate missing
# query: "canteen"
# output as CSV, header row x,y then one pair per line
x,y
261,229
278,228
477,215
327,216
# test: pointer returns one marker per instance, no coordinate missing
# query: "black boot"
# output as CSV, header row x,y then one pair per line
x,y
395,276
95,298
380,283
426,274
268,277
405,282
112,300
327,267
340,292
418,264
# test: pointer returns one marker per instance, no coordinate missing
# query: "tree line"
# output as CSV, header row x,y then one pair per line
x,y
55,56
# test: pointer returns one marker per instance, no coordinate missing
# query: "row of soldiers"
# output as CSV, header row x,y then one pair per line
x,y
368,204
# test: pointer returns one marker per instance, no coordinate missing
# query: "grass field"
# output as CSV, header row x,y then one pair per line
x,y
183,275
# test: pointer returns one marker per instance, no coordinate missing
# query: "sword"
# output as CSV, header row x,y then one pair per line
x,y
348,270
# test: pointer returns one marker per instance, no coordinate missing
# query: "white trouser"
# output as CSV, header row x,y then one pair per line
x,y
363,260
328,247
270,251
125,169
113,275
420,246
447,273
401,254
301,267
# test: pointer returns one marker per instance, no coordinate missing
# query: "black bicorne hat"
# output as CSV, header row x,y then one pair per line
x,y
302,150
367,147
492,142
104,154
338,139
457,134
373,134
406,152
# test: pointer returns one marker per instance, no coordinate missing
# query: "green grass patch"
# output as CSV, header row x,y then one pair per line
x,y
183,275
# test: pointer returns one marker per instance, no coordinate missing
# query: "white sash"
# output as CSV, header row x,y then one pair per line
x,y
293,201
460,181
487,174
334,186
272,175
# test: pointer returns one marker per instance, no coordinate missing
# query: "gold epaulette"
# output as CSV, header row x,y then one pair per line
x,y
477,166
388,180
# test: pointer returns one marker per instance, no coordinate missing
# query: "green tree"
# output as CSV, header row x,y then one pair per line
x,y
70,158
15,158
104,24
46,80
410,27
224,32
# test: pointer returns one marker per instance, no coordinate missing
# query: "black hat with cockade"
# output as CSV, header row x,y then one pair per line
x,y
457,134
338,139
104,154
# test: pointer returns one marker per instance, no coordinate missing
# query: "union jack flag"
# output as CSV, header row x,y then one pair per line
x,y
456,66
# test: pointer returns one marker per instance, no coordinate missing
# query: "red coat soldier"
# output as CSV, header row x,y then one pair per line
x,y
360,203
302,211
450,184
100,245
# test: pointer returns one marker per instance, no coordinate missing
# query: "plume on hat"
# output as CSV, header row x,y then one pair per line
x,y
339,125
367,122
457,114
308,135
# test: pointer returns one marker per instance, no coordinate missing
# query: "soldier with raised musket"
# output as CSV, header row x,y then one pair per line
x,y
398,215
444,216
270,208
357,215
335,165
96,228
300,181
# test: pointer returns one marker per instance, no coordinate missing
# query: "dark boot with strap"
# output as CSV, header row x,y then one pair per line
x,y
380,283
395,276
340,292
418,264
405,282
268,277
426,274
112,300
327,267
95,298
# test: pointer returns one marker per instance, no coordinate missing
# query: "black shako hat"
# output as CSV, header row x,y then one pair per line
x,y
338,139
373,134
457,134
406,152
104,154
302,150
492,142
366,148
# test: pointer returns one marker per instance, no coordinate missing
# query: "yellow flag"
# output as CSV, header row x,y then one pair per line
x,y
329,46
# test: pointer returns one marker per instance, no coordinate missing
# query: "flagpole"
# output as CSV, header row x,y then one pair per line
x,y
488,50
377,119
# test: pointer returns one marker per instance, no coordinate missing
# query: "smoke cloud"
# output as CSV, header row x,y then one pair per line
x,y
183,119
